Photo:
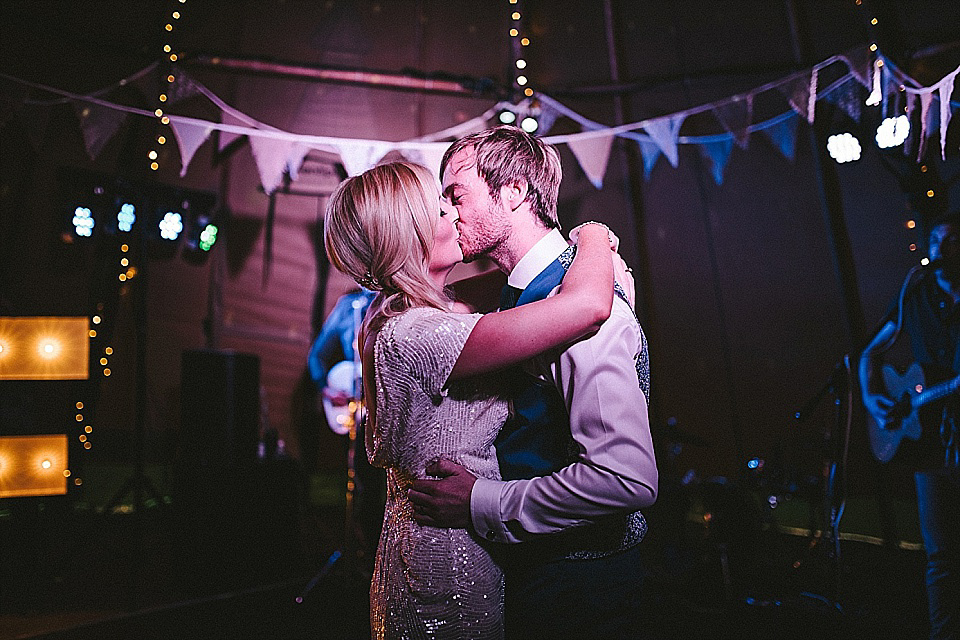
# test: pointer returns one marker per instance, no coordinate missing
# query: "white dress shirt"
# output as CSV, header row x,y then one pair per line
x,y
597,377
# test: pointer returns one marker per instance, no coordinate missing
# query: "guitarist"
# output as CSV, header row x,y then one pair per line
x,y
336,344
931,319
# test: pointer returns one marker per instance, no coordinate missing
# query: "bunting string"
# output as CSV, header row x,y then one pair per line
x,y
278,153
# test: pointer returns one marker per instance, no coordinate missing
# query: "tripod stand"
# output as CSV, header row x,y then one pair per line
x,y
138,483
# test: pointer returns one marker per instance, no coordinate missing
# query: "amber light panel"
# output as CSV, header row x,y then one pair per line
x,y
44,348
33,466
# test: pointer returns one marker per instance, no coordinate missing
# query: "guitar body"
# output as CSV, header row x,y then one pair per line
x,y
904,389
342,380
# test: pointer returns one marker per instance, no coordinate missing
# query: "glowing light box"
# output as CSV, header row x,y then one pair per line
x,y
33,466
44,348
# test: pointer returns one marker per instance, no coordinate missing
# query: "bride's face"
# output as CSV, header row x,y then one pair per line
x,y
446,249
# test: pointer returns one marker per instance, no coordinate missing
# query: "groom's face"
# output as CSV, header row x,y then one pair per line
x,y
483,224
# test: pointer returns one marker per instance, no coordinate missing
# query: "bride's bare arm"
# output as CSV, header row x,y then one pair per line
x,y
582,304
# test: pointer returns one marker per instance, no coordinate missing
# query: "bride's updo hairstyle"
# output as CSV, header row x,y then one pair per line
x,y
379,229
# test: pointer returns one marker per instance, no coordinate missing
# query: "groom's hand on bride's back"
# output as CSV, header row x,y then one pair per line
x,y
444,502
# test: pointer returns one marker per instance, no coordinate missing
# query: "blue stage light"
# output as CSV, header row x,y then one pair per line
x,y
83,222
126,217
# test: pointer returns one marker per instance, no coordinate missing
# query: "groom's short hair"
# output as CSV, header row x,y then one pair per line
x,y
505,154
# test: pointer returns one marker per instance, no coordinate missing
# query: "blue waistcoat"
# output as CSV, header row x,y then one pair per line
x,y
536,440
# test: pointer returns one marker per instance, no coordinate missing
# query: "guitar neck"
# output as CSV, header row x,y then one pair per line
x,y
935,392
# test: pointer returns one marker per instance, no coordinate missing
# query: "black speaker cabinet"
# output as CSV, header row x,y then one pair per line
x,y
220,410
219,434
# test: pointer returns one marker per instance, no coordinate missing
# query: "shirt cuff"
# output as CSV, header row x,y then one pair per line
x,y
485,509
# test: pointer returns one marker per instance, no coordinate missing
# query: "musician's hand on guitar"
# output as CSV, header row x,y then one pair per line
x,y
337,397
881,408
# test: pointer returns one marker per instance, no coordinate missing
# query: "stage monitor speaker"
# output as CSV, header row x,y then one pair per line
x,y
220,410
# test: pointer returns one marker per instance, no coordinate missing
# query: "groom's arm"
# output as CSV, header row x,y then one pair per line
x,y
616,471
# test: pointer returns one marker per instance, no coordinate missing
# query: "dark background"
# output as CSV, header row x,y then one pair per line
x,y
751,292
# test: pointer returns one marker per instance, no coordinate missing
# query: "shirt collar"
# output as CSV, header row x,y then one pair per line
x,y
540,255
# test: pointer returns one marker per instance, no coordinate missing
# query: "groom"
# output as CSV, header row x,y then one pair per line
x,y
576,454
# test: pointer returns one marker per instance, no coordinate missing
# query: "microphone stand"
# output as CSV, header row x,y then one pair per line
x,y
838,386
350,548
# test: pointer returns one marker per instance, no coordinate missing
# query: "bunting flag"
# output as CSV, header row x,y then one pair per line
x,y
812,95
650,153
272,158
278,153
358,156
736,117
718,153
545,120
846,96
877,93
890,87
926,100
946,88
295,158
797,93
226,138
860,61
593,155
664,132
783,135
98,124
189,137
911,106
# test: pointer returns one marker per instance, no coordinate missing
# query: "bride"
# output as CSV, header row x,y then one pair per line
x,y
429,374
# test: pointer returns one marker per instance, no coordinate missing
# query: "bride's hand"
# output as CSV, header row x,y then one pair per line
x,y
621,272
614,240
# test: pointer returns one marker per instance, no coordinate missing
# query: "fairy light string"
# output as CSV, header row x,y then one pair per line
x,y
153,155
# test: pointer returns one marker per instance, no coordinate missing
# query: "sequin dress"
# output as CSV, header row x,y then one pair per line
x,y
429,582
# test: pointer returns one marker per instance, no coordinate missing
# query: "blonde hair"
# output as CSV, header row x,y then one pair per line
x,y
379,229
505,154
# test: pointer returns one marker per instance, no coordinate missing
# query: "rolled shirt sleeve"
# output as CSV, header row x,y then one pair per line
x,y
616,471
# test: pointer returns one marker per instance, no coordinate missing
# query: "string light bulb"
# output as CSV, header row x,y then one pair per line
x,y
521,80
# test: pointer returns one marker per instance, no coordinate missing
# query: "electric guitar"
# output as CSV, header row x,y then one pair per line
x,y
910,394
343,381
